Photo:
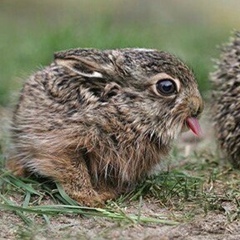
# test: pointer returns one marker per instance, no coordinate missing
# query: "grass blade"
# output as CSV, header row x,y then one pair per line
x,y
97,212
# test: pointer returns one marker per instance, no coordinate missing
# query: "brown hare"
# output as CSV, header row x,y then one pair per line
x,y
226,100
99,121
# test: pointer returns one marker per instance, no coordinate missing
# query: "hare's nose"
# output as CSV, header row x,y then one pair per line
x,y
196,106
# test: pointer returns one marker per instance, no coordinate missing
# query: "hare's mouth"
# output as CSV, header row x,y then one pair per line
x,y
193,124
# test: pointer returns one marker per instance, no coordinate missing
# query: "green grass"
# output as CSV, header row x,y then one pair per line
x,y
33,193
33,33
198,186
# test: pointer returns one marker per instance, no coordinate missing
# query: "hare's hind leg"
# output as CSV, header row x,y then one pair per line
x,y
72,174
17,168
74,178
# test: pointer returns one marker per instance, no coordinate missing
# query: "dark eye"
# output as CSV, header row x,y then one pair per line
x,y
166,87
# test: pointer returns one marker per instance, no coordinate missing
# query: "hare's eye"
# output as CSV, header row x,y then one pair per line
x,y
166,87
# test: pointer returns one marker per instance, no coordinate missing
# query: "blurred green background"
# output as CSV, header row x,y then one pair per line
x,y
32,30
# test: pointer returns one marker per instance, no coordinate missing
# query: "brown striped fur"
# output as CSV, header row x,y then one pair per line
x,y
93,121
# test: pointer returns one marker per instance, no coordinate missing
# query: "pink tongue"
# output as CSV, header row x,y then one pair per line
x,y
194,125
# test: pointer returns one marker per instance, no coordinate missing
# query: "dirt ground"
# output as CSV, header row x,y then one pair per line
x,y
212,226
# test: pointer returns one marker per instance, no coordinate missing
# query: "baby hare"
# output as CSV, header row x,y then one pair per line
x,y
226,100
99,121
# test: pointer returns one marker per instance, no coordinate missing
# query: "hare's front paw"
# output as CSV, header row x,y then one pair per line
x,y
107,195
92,198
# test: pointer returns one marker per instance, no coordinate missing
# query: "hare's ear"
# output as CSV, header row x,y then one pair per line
x,y
81,66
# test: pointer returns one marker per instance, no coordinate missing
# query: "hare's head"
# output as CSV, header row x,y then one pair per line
x,y
153,91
